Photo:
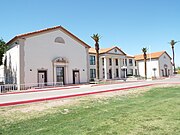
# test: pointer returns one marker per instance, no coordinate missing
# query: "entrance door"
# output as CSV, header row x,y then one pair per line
x,y
122,73
166,72
42,77
76,77
110,73
60,75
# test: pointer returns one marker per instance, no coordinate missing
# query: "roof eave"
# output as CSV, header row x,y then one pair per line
x,y
49,29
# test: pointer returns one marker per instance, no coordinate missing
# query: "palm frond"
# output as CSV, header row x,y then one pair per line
x,y
96,37
172,43
144,49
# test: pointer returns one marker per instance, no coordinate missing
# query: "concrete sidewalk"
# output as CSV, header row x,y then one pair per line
x,y
80,90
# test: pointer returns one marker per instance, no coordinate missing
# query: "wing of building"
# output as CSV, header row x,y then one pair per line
x,y
49,55
158,64
114,64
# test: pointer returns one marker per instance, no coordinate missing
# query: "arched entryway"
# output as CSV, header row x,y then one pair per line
x,y
59,70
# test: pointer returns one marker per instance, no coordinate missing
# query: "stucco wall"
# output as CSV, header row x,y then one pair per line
x,y
40,50
150,65
12,64
165,60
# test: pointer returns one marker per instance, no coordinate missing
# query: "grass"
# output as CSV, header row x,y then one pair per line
x,y
178,71
156,112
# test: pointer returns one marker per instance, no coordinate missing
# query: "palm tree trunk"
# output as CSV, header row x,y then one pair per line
x,y
97,57
145,65
97,64
173,59
145,68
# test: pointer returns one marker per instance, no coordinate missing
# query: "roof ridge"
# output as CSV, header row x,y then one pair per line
x,y
48,29
37,31
151,53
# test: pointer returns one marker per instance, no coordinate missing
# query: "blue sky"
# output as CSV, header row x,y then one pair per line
x,y
128,24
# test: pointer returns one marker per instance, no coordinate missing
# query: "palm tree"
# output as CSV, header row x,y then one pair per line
x,y
172,43
96,38
144,50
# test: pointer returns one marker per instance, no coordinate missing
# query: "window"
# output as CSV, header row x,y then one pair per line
x,y
92,73
103,61
165,66
92,60
130,62
110,61
125,62
116,62
130,71
135,63
117,72
103,73
59,40
115,50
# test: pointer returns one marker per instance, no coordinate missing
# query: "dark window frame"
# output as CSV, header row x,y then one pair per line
x,y
92,60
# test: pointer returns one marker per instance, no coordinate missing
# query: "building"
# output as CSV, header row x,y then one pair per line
x,y
56,56
158,64
113,63
49,55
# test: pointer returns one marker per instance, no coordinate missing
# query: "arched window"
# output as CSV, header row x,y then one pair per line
x,y
60,60
165,66
59,40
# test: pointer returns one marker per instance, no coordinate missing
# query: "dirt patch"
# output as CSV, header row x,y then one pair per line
x,y
39,106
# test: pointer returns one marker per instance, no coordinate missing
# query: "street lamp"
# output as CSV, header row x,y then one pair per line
x,y
154,69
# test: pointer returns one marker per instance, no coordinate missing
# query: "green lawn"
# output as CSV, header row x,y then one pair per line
x,y
151,113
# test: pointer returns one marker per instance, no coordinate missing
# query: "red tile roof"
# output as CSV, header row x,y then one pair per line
x,y
130,56
105,50
47,30
153,55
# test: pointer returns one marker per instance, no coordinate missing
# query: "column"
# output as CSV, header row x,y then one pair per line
x,y
105,69
113,68
125,72
119,67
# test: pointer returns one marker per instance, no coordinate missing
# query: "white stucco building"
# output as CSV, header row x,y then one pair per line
x,y
113,63
56,55
49,55
158,64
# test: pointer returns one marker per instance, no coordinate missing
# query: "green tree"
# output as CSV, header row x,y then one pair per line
x,y
3,49
144,50
172,43
178,68
96,38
